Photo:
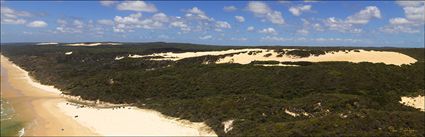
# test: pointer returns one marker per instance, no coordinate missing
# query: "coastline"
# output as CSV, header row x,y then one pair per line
x,y
51,112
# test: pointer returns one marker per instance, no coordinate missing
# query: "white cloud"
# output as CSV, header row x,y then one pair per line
x,y
399,29
133,21
11,16
230,8
399,21
268,31
339,25
363,16
223,24
240,18
205,37
160,17
350,24
137,6
107,2
77,26
258,7
105,22
414,19
180,24
197,13
261,9
275,17
298,10
250,28
37,24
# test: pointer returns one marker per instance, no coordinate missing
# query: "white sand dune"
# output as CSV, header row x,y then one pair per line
x,y
92,44
47,43
179,56
416,102
386,57
131,121
355,57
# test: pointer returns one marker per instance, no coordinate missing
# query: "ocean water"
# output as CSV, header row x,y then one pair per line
x,y
10,125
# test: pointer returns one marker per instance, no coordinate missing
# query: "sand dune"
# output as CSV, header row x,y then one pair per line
x,y
47,43
242,57
355,57
179,56
92,44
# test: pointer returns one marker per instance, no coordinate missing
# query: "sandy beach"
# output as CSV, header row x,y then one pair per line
x,y
48,113
36,106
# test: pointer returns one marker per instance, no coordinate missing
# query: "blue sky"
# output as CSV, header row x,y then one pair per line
x,y
291,23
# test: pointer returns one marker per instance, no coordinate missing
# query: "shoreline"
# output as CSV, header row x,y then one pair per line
x,y
52,114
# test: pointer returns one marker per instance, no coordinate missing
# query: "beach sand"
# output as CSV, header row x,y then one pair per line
x,y
47,113
35,106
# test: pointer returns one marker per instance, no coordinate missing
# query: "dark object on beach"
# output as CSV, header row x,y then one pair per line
x,y
75,116
62,129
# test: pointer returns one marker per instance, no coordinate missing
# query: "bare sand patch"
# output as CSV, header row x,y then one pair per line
x,y
416,102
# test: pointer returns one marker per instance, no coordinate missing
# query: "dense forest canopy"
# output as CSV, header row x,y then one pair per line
x,y
332,98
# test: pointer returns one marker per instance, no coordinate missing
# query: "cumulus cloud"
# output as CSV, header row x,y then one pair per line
x,y
298,10
11,16
399,21
197,13
223,24
350,24
240,18
181,25
262,10
268,31
229,8
133,21
205,37
340,25
37,24
76,26
412,22
363,16
162,17
138,6
107,2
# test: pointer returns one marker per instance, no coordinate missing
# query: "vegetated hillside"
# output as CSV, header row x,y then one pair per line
x,y
337,98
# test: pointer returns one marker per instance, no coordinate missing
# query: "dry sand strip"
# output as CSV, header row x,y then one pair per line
x,y
52,114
